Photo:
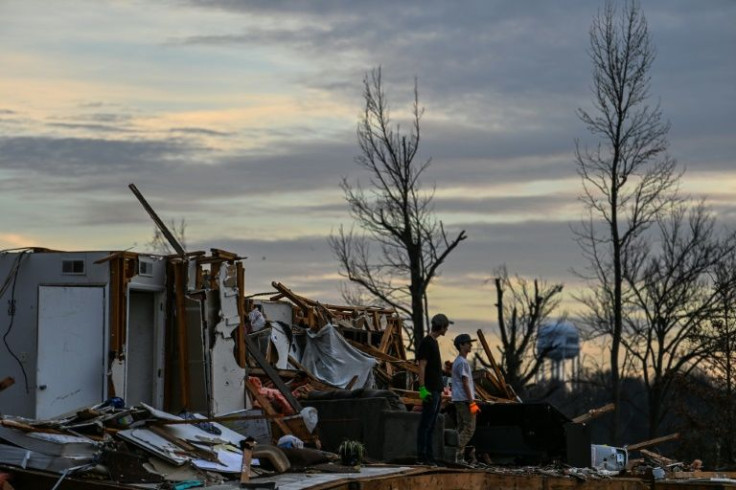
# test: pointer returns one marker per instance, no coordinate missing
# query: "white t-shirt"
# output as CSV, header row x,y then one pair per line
x,y
460,370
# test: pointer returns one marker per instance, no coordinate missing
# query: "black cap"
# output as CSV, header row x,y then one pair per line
x,y
462,338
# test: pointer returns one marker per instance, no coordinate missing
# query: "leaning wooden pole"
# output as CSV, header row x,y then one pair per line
x,y
161,226
653,442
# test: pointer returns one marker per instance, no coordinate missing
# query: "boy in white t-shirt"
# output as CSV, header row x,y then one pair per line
x,y
463,395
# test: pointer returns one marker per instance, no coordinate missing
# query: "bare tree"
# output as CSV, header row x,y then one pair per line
x,y
401,244
720,339
160,245
522,307
675,300
627,177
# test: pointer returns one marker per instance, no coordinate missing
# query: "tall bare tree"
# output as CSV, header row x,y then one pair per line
x,y
627,176
522,307
401,244
674,301
160,245
720,339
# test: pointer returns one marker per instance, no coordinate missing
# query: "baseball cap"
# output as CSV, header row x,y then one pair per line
x,y
441,320
462,338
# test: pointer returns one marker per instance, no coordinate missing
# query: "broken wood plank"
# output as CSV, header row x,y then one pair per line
x,y
657,458
159,223
183,444
594,413
652,442
373,352
242,350
496,369
224,418
272,374
386,338
246,445
266,406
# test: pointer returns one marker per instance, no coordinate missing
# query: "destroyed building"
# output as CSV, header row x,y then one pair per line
x,y
125,368
105,347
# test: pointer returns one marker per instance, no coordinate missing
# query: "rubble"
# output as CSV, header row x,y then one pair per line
x,y
231,405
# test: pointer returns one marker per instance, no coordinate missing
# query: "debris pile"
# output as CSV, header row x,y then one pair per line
x,y
110,442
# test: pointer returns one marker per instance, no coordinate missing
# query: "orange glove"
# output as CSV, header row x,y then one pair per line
x,y
474,408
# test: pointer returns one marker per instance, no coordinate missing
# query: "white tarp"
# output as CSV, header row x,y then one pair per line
x,y
330,358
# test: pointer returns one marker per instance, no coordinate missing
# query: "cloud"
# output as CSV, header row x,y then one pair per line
x,y
85,157
240,117
202,131
90,127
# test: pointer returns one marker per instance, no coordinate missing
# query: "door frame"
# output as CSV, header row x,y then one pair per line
x,y
159,339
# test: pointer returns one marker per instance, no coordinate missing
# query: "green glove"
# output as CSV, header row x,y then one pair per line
x,y
424,393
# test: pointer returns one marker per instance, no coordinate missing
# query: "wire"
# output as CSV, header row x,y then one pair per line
x,y
13,274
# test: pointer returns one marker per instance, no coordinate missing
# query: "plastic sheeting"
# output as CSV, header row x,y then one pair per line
x,y
330,358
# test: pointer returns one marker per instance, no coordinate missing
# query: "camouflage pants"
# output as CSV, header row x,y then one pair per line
x,y
465,428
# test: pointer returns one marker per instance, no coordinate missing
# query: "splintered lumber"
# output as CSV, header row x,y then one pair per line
x,y
302,303
286,292
652,442
246,445
657,458
272,374
183,444
266,406
594,413
505,388
386,338
224,418
373,352
317,314
159,223
494,381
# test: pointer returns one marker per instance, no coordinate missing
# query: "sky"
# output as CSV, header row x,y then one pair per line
x,y
240,116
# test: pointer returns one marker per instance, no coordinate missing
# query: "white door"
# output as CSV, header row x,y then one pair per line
x,y
71,349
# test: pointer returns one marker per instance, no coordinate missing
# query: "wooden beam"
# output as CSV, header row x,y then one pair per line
x,y
657,458
160,224
266,406
496,369
246,445
594,413
183,444
242,349
272,374
386,338
372,351
182,334
653,442
117,301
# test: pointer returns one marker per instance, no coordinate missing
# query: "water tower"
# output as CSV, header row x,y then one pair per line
x,y
559,343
